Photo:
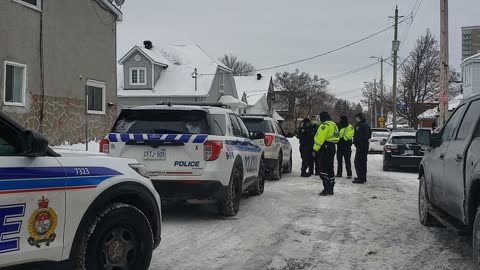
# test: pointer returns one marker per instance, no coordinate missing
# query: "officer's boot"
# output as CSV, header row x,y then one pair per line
x,y
331,185
326,188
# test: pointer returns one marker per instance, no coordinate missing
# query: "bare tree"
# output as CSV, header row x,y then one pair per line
x,y
302,94
240,68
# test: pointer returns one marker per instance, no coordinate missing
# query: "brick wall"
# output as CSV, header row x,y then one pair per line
x,y
64,120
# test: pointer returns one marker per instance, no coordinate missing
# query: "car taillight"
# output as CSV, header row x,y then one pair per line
x,y
269,140
212,150
390,147
105,146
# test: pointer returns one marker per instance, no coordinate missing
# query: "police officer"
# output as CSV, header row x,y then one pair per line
x,y
305,134
344,148
324,146
361,141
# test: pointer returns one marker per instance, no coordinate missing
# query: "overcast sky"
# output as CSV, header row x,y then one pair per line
x,y
272,32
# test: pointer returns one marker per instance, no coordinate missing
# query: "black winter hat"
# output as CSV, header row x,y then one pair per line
x,y
306,120
360,115
324,116
344,119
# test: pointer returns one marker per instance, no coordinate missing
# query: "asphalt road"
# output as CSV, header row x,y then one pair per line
x,y
372,226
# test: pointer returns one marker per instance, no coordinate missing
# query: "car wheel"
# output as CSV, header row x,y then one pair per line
x,y
290,164
277,171
230,204
426,219
259,185
476,240
120,238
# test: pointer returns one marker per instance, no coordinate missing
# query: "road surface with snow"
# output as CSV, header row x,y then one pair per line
x,y
372,226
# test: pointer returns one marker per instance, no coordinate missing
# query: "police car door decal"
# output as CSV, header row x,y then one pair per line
x,y
10,226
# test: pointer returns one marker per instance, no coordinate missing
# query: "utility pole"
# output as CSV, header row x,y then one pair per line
x,y
381,84
375,102
395,48
444,62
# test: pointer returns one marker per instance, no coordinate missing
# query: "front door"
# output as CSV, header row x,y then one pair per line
x,y
455,162
437,162
32,203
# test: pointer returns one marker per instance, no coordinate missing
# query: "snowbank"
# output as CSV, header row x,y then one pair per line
x,y
93,147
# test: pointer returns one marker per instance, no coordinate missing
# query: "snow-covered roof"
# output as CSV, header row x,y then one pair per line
x,y
232,101
434,113
177,79
118,14
277,116
254,88
453,104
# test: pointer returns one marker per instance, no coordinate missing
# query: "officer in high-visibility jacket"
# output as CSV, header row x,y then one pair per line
x,y
324,146
344,147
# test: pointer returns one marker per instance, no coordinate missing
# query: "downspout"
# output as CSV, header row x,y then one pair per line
x,y
42,74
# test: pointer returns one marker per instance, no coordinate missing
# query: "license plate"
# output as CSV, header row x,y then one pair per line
x,y
160,154
409,152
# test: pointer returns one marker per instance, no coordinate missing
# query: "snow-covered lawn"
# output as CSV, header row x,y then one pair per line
x,y
93,147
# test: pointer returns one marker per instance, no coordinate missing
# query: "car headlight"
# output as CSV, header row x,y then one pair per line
x,y
140,169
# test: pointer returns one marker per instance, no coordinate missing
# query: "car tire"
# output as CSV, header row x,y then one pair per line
x,y
290,165
259,185
277,171
230,204
386,168
476,240
426,219
119,238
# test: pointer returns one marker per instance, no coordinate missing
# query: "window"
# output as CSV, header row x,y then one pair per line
x,y
258,124
138,76
404,140
219,124
236,130
96,97
10,143
222,83
469,121
15,84
243,128
449,129
279,129
162,122
35,4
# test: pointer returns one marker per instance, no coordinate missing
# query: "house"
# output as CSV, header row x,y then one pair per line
x,y
258,92
51,54
431,116
154,74
471,76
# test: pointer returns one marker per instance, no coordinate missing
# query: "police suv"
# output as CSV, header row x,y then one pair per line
x,y
191,152
274,143
86,212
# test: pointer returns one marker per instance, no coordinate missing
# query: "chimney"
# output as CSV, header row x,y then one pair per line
x,y
148,44
259,76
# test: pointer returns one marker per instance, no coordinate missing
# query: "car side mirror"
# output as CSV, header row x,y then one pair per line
x,y
424,137
383,142
290,135
256,135
34,144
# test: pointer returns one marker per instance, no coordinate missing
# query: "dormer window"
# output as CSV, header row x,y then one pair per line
x,y
138,76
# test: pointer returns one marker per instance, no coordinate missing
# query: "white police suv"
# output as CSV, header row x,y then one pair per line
x,y
72,210
274,143
191,152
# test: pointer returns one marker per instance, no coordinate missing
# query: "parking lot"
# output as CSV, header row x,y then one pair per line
x,y
372,226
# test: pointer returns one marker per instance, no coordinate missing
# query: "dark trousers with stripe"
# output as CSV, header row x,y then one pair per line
x,y
327,160
306,152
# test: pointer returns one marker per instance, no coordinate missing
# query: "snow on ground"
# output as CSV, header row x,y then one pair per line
x,y
372,226
93,147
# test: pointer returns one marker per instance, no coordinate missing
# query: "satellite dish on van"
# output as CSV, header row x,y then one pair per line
x,y
119,3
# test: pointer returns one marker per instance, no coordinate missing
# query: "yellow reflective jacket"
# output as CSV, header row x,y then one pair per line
x,y
347,133
326,132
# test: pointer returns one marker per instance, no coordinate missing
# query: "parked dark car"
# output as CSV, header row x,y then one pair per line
x,y
449,174
401,151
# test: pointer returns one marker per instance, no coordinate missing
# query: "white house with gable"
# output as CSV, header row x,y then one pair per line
x,y
258,92
471,76
154,74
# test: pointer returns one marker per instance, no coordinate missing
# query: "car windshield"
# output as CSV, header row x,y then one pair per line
x,y
404,140
162,122
380,135
258,125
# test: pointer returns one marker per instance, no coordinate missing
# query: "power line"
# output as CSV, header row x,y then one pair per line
x,y
325,53
342,75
